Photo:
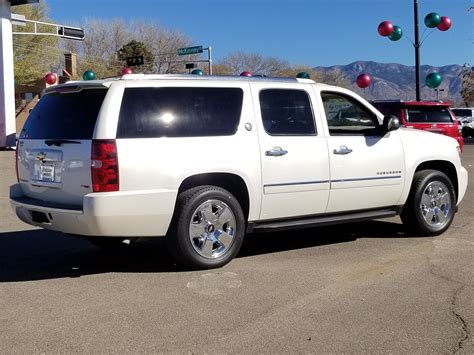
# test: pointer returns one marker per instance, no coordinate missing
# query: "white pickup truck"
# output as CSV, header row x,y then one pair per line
x,y
203,160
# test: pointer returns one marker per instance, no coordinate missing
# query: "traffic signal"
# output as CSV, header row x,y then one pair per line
x,y
134,61
23,2
71,32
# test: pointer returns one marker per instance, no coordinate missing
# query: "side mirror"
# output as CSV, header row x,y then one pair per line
x,y
390,123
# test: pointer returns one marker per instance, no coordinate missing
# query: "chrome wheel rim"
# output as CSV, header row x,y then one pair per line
x,y
436,204
212,229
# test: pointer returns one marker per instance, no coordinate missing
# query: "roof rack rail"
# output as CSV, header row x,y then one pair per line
x,y
211,77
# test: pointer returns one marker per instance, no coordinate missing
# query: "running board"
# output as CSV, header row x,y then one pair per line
x,y
323,220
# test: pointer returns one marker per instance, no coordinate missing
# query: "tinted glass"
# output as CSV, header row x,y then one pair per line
x,y
179,112
462,112
346,116
286,112
388,108
65,116
427,114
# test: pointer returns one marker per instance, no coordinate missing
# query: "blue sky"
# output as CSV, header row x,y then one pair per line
x,y
311,32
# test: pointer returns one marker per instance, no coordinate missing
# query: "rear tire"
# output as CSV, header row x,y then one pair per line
x,y
207,229
431,204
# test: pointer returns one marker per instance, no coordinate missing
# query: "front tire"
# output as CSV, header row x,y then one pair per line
x,y
431,204
207,229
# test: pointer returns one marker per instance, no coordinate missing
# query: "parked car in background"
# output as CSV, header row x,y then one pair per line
x,y
466,116
433,116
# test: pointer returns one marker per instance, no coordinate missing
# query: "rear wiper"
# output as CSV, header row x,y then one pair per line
x,y
58,142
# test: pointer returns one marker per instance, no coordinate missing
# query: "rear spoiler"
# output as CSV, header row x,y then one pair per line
x,y
77,86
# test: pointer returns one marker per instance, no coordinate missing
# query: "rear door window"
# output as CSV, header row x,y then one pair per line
x,y
65,115
428,114
287,112
179,112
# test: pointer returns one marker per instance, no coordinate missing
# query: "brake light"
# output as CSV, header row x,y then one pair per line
x,y
104,167
16,162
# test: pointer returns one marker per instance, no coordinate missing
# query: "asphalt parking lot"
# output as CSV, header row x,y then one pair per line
x,y
358,288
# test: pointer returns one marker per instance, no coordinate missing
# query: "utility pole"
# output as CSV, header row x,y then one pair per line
x,y
417,50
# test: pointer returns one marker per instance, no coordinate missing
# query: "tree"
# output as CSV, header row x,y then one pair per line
x,y
98,51
104,38
334,77
164,45
136,49
34,56
238,62
467,90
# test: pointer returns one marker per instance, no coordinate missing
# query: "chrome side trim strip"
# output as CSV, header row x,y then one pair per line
x,y
331,181
369,178
298,183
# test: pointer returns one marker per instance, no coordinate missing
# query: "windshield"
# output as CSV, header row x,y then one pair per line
x,y
428,114
64,116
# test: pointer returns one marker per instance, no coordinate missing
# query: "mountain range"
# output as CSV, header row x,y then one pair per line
x,y
397,81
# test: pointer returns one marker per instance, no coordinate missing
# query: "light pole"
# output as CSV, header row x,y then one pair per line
x,y
417,46
394,33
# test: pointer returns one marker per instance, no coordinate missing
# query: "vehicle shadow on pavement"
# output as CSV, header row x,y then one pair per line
x,y
313,237
40,254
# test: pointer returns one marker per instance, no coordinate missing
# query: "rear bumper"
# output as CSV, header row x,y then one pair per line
x,y
145,213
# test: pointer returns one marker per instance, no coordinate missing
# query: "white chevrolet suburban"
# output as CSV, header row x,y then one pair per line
x,y
202,160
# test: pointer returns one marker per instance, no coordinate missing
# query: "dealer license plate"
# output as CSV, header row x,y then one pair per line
x,y
47,172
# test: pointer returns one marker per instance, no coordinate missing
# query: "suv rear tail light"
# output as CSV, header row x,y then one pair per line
x,y
104,167
16,162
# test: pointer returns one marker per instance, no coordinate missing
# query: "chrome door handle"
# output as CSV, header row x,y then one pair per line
x,y
342,150
276,152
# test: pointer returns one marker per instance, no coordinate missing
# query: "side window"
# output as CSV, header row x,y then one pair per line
x,y
179,112
346,116
287,112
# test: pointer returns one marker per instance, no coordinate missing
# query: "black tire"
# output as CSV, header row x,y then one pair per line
x,y
219,242
431,204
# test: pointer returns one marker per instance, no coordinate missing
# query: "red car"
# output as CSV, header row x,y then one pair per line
x,y
430,116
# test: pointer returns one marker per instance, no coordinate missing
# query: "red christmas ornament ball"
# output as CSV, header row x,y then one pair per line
x,y
445,23
385,28
363,81
51,78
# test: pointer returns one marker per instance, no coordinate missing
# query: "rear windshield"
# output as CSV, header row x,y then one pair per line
x,y
462,112
64,116
179,112
427,114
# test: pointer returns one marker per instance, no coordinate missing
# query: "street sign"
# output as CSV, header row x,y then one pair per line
x,y
134,61
190,50
19,20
